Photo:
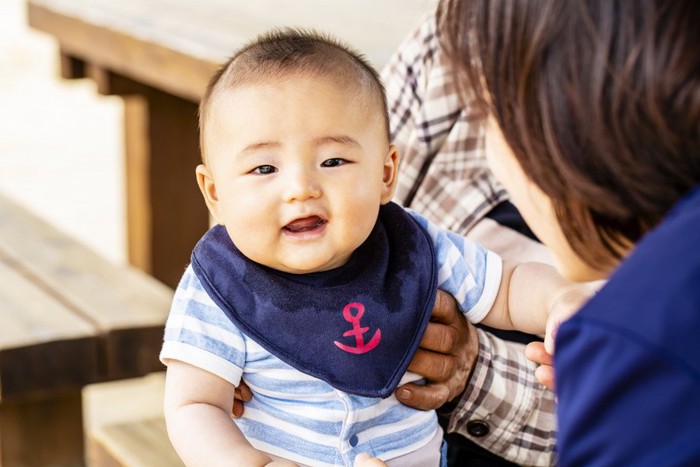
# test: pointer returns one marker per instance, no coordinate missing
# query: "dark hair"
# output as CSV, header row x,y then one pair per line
x,y
598,99
284,52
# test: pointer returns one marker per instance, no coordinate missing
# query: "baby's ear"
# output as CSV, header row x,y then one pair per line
x,y
390,174
208,188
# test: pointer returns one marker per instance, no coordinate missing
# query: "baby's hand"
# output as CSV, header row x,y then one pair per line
x,y
564,306
568,302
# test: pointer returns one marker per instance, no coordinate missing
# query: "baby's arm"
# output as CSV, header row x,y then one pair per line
x,y
529,297
534,298
197,413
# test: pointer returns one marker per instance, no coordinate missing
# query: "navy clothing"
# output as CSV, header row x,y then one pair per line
x,y
628,364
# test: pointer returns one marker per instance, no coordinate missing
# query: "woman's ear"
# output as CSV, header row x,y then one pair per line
x,y
208,189
390,174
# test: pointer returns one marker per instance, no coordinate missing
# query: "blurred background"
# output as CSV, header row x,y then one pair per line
x,y
61,143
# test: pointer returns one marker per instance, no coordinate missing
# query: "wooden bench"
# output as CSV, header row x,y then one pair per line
x,y
68,318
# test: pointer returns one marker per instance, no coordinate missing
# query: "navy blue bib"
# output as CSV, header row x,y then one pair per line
x,y
355,327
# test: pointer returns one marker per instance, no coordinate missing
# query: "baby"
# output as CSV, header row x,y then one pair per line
x,y
315,288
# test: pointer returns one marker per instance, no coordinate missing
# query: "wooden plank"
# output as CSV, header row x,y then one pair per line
x,y
71,67
124,423
162,150
113,296
44,369
44,346
119,402
45,432
114,299
130,55
175,45
143,443
166,213
30,315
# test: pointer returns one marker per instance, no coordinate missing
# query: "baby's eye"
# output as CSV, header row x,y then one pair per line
x,y
264,170
335,162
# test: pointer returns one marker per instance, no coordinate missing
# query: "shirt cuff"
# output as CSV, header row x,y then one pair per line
x,y
174,350
504,409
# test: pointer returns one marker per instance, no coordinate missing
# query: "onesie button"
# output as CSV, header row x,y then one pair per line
x,y
353,440
478,428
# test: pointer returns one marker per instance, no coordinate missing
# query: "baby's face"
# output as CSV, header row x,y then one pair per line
x,y
298,170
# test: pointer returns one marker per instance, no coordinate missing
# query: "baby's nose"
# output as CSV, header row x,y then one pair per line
x,y
301,186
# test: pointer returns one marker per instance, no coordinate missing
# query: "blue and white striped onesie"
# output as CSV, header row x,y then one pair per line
x,y
302,418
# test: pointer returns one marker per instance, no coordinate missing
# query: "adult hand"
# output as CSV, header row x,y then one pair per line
x,y
365,460
446,357
535,352
241,395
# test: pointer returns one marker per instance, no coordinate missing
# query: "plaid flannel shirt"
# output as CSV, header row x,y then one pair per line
x,y
444,177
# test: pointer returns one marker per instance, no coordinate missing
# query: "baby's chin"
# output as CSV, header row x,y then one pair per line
x,y
304,269
309,266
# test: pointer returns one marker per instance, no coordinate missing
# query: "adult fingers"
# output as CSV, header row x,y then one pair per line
x,y
423,397
240,395
536,352
446,356
441,338
237,410
444,308
243,392
546,377
436,367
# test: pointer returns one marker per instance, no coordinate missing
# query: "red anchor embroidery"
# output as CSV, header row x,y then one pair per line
x,y
358,331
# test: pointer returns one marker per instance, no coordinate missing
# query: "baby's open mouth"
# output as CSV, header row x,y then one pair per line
x,y
304,225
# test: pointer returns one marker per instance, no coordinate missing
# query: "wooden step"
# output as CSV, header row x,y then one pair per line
x,y
124,424
68,318
140,443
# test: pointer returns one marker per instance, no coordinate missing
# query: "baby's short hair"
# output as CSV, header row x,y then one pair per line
x,y
284,52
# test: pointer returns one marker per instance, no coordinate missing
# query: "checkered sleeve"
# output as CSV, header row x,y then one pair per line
x,y
444,176
443,168
504,393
